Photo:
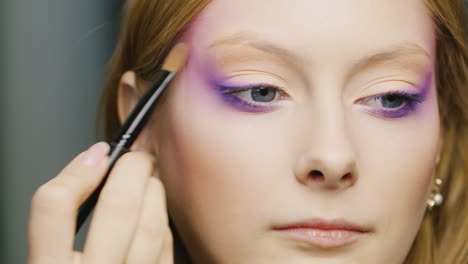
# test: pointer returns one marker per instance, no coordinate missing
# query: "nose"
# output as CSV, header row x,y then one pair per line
x,y
328,162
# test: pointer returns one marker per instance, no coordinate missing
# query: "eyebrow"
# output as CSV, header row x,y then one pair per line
x,y
269,48
402,53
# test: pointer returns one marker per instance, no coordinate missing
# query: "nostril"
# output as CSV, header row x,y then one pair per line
x,y
317,175
346,177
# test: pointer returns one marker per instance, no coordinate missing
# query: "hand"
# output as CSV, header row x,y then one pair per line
x,y
130,222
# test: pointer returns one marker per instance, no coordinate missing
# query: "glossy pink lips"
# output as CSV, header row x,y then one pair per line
x,y
324,234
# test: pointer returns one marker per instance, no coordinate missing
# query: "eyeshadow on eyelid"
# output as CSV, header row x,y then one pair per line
x,y
426,83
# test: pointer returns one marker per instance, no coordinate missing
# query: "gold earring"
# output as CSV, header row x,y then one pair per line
x,y
435,198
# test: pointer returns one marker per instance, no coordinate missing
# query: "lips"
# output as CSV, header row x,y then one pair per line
x,y
323,233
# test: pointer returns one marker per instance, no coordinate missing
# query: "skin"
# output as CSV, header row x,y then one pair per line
x,y
231,174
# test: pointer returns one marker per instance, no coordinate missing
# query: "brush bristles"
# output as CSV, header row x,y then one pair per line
x,y
176,58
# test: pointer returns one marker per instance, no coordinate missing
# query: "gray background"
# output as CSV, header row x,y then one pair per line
x,y
53,56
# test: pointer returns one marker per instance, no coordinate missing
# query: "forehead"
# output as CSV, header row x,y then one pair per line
x,y
339,29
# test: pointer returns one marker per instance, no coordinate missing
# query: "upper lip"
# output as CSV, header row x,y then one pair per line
x,y
324,224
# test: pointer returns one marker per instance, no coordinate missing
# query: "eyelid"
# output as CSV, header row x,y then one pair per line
x,y
240,88
249,78
407,95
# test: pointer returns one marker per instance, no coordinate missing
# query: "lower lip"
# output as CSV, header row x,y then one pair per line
x,y
323,238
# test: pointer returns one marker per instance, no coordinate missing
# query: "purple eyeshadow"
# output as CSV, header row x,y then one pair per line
x,y
243,105
412,100
226,93
227,96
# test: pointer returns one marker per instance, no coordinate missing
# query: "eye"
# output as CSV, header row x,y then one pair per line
x,y
261,94
394,104
253,97
388,101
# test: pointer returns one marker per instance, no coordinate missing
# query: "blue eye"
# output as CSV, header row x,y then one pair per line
x,y
388,101
262,94
262,98
392,100
252,98
395,104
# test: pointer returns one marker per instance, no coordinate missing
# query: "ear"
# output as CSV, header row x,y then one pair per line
x,y
127,98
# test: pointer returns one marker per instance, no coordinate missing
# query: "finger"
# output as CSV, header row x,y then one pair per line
x,y
117,210
54,206
167,252
152,226
77,257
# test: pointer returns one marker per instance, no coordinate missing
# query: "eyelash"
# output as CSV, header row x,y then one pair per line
x,y
411,100
228,94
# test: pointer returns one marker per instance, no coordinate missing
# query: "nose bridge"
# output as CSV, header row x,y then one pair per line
x,y
334,145
329,157
328,110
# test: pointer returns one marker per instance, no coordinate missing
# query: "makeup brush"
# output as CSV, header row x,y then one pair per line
x,y
136,121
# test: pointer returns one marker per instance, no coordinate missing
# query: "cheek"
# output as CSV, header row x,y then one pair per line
x,y
216,163
410,152
220,167
398,170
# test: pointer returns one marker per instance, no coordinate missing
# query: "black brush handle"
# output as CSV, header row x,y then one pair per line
x,y
126,136
87,207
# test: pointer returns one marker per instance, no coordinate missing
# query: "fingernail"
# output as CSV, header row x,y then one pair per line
x,y
95,154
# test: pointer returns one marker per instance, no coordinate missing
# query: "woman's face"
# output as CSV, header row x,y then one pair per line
x,y
279,127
